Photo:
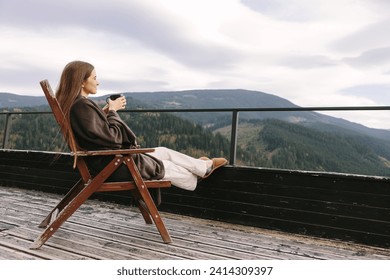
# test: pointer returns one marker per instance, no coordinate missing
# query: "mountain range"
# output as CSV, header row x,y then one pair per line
x,y
210,99
239,98
291,139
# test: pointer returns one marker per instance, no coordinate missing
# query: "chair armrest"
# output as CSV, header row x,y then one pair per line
x,y
113,152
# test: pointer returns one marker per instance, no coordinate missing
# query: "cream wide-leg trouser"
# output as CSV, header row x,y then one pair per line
x,y
180,169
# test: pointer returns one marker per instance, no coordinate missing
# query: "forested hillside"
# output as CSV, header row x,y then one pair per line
x,y
270,143
278,144
40,132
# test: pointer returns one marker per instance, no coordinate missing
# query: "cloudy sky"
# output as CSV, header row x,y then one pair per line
x,y
311,52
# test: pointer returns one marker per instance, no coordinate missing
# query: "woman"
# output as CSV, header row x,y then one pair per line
x,y
95,129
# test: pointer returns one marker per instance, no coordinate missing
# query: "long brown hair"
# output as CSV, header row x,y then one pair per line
x,y
72,78
69,88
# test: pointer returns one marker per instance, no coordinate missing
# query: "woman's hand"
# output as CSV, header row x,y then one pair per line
x,y
117,104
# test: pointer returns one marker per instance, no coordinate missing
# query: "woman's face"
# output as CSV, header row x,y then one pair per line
x,y
90,85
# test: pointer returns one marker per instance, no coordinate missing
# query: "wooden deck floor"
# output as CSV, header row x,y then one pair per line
x,y
101,230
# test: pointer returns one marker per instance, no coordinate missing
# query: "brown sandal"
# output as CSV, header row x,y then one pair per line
x,y
217,163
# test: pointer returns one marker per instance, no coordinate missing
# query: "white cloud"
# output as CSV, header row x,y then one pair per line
x,y
308,51
371,58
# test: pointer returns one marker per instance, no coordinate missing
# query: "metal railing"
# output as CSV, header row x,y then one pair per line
x,y
234,118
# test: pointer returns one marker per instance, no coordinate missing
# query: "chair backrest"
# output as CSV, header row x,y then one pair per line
x,y
66,130
59,116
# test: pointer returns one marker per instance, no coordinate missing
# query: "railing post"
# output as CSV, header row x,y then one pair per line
x,y
233,139
7,129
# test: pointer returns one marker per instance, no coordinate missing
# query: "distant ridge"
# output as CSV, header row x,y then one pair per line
x,y
240,98
290,140
206,98
10,100
216,98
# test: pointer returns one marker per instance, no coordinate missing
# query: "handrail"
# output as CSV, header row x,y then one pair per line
x,y
234,111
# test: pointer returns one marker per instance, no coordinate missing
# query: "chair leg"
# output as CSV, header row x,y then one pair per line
x,y
142,207
75,203
76,189
147,199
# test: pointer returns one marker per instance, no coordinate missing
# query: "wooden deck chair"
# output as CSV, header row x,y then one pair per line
x,y
87,185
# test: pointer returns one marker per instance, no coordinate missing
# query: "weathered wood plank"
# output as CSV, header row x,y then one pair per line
x,y
335,206
81,246
135,231
101,230
8,252
212,238
22,245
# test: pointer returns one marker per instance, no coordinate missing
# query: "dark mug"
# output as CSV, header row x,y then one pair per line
x,y
114,96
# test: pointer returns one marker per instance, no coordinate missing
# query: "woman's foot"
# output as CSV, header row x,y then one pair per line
x,y
213,164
